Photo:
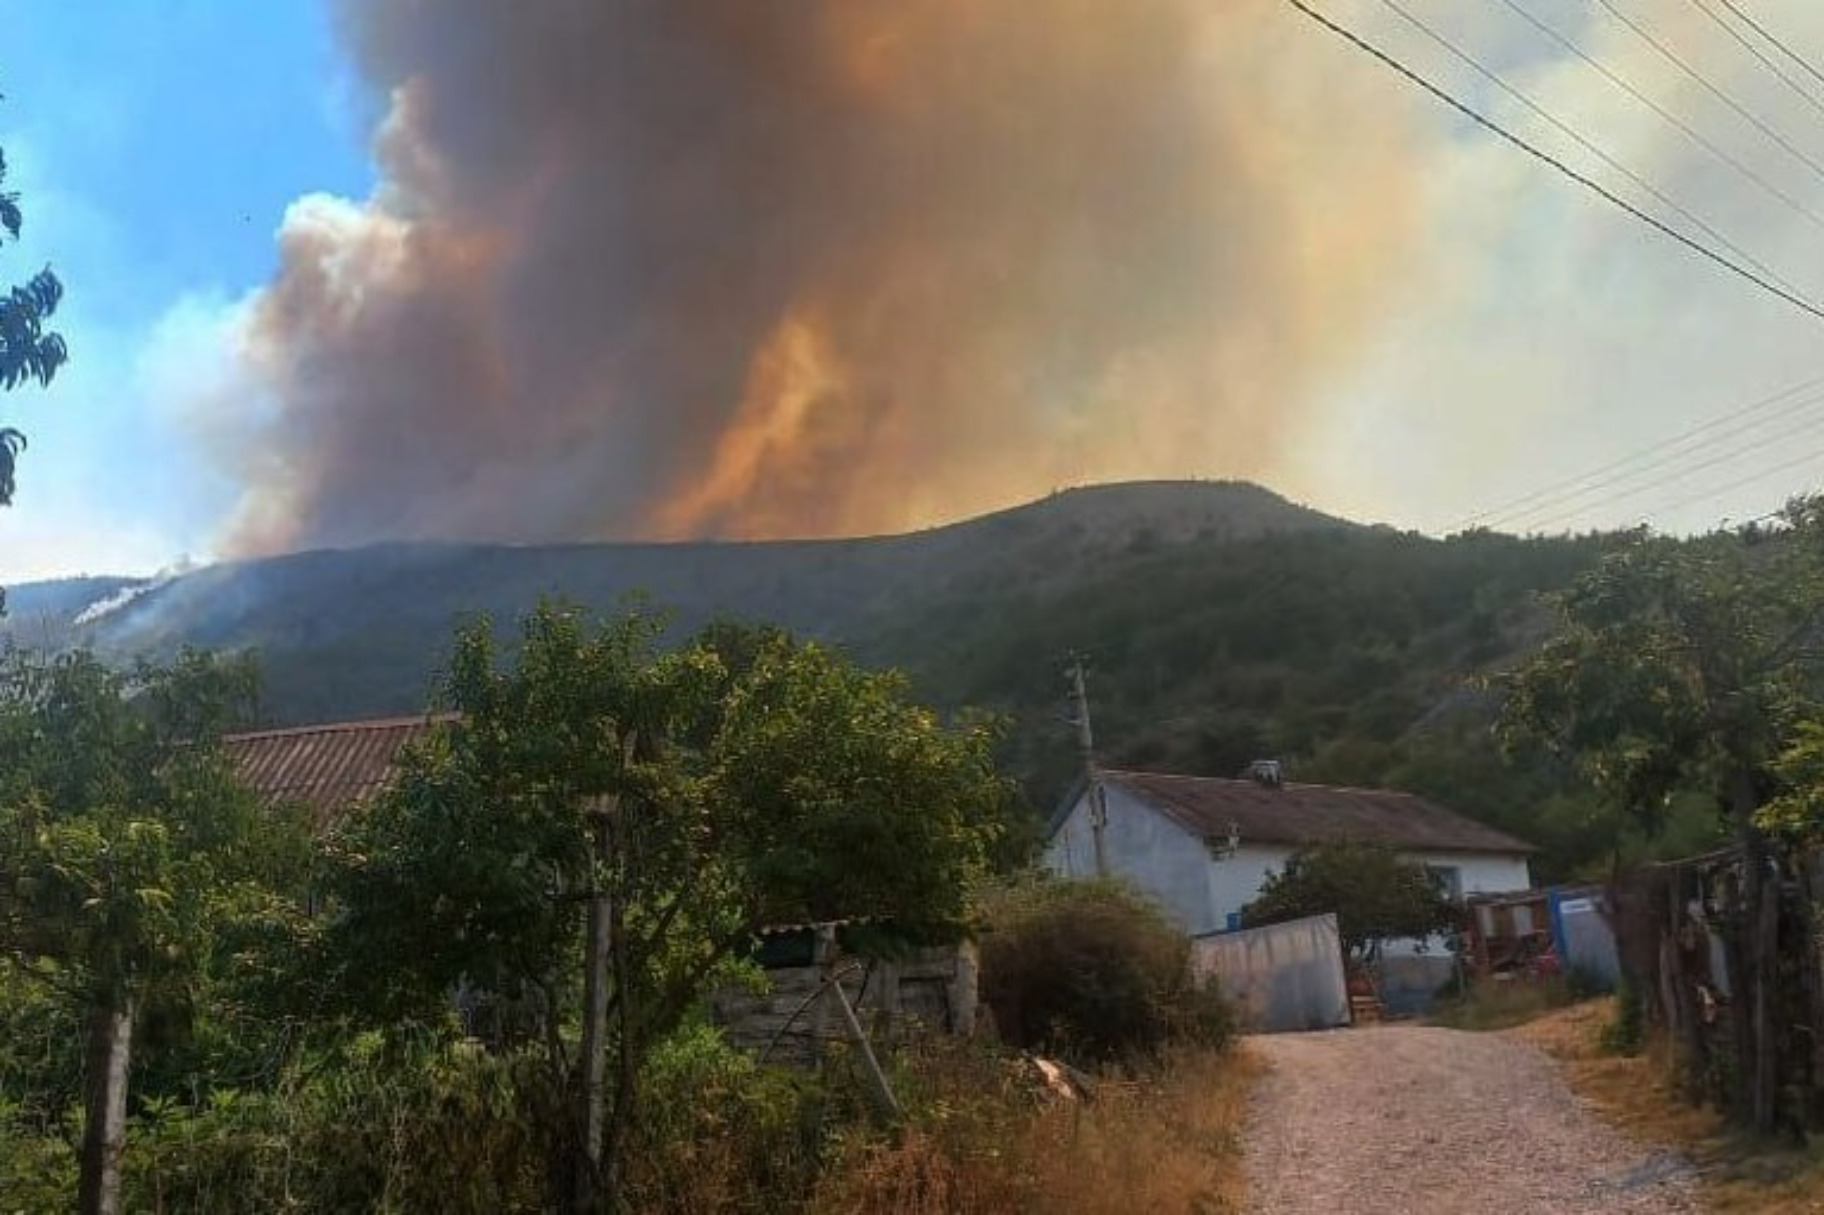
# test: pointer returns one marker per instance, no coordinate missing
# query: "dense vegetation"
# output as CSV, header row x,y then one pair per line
x,y
1697,667
487,991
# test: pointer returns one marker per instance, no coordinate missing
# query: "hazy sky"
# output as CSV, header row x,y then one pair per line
x,y
1441,325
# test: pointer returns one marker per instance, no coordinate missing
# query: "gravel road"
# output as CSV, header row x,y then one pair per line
x,y
1420,1120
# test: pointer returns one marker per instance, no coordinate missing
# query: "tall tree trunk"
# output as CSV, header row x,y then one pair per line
x,y
104,1129
626,1072
1758,997
592,1058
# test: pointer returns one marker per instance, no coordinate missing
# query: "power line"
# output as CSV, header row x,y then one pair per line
x,y
1565,509
1594,149
1763,474
1686,129
1748,45
1588,183
1673,57
1763,31
1539,498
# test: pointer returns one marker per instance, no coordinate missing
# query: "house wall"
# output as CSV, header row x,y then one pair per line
x,y
1483,872
1146,849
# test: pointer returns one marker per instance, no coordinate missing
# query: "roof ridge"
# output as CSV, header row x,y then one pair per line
x,y
1248,780
333,727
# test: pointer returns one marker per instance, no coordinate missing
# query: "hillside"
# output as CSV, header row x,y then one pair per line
x,y
1220,622
356,632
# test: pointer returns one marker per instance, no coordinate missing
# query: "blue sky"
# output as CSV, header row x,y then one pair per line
x,y
156,144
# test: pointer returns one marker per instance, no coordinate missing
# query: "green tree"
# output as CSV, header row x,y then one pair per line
x,y
27,351
1374,892
604,826
1692,666
128,846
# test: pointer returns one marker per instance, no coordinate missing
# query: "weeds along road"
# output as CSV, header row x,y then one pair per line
x,y
1420,1120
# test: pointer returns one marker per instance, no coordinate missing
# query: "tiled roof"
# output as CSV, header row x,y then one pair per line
x,y
328,767
1308,814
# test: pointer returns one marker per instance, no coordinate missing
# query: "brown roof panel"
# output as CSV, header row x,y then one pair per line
x,y
328,767
1307,814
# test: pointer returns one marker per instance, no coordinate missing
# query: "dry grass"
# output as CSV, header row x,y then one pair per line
x,y
1637,1094
1168,1141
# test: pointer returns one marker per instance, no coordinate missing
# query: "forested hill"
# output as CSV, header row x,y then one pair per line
x,y
1220,623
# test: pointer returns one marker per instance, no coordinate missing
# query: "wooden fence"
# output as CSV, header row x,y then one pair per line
x,y
794,1016
1724,952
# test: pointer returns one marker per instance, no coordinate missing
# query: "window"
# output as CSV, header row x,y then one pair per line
x,y
1449,879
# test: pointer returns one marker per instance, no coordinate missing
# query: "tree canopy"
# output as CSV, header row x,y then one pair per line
x,y
28,351
603,826
1374,892
129,853
1684,665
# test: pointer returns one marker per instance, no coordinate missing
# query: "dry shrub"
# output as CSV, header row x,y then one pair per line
x,y
1093,972
981,1140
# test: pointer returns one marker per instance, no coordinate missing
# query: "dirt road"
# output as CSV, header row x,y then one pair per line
x,y
1419,1120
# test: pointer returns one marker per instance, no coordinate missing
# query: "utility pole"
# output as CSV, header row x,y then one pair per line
x,y
1092,776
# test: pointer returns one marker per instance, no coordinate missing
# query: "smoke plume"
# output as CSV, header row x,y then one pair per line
x,y
669,268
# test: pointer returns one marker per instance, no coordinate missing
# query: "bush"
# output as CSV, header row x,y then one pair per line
x,y
1093,972
719,1131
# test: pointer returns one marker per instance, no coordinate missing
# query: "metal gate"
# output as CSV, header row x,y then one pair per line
x,y
1282,977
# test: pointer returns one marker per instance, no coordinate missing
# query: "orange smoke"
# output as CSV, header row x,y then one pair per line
x,y
711,267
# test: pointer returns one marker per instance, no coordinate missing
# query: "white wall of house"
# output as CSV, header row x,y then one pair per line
x,y
1198,890
1145,848
1483,872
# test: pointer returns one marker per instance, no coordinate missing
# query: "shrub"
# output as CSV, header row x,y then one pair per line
x,y
1092,971
720,1132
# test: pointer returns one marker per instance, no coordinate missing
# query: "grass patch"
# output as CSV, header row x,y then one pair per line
x,y
1168,1139
1492,1005
1638,1095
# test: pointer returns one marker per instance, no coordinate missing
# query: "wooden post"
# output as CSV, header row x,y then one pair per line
x,y
592,1060
104,1128
878,1088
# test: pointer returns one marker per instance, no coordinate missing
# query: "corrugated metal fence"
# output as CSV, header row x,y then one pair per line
x,y
1282,977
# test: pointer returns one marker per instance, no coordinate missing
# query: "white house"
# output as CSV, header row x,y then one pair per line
x,y
1202,847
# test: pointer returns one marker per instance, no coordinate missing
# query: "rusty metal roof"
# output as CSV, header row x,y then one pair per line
x,y
327,767
1308,814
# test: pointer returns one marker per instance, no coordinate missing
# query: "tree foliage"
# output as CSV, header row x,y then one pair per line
x,y
129,851
28,351
605,817
1374,893
1683,665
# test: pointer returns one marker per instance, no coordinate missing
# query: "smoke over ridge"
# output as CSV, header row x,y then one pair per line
x,y
799,267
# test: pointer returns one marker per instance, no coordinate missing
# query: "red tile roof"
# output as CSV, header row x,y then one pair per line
x,y
328,767
1308,814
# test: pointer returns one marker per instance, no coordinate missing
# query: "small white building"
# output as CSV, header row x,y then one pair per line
x,y
1202,847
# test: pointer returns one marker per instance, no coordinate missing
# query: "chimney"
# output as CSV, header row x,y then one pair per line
x,y
1264,772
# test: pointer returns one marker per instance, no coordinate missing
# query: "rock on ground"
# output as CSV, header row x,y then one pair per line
x,y
1416,1120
